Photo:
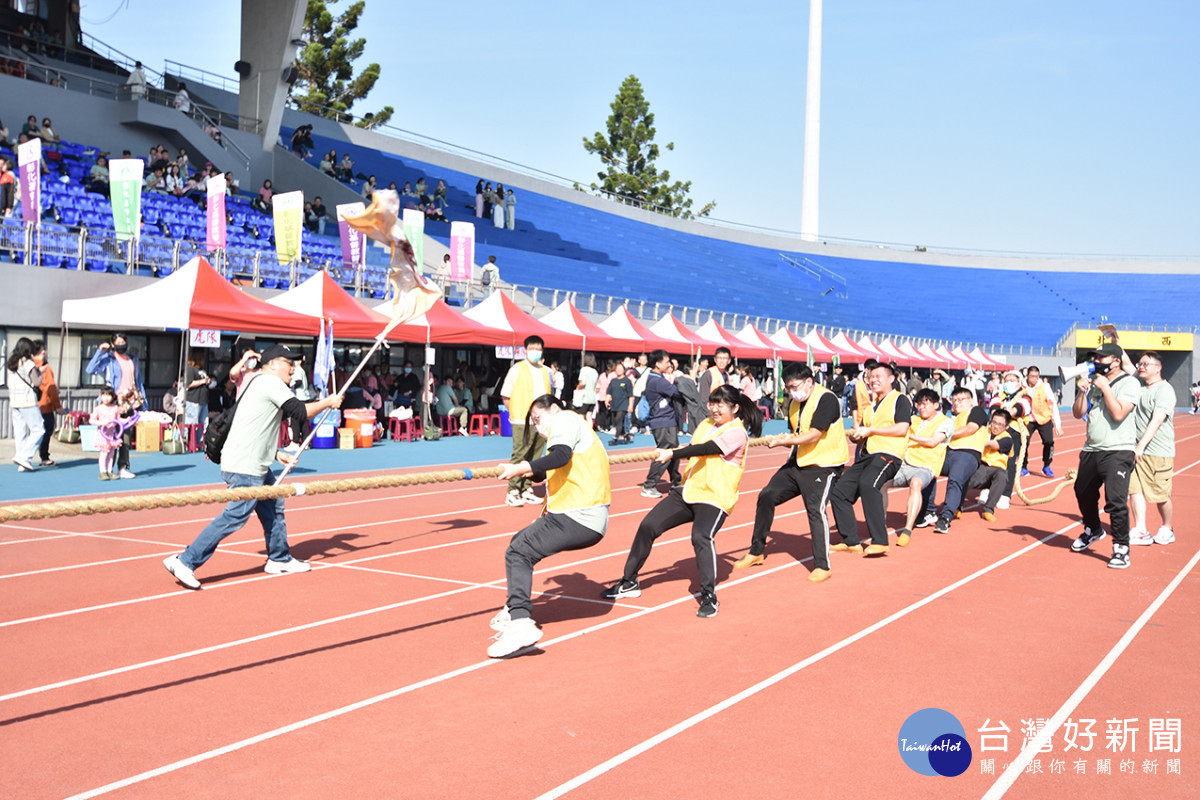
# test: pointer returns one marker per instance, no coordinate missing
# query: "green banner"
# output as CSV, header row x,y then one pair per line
x,y
414,231
125,191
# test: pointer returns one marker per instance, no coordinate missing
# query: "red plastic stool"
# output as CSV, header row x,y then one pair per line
x,y
403,429
80,417
193,436
494,425
478,425
449,425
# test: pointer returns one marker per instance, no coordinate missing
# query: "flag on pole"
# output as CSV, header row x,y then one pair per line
x,y
125,191
462,250
354,244
323,363
215,207
288,212
413,223
29,158
413,294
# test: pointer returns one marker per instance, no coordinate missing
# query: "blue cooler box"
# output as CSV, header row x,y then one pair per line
x,y
326,435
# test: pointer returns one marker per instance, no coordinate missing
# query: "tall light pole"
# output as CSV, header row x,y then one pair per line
x,y
810,185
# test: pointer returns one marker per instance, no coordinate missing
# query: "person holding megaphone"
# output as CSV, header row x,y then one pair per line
x,y
1107,398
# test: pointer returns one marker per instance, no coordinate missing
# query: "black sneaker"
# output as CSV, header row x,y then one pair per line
x,y
1087,539
1120,557
623,588
708,605
942,526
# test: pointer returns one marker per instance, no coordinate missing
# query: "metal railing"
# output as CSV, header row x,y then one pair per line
x,y
201,76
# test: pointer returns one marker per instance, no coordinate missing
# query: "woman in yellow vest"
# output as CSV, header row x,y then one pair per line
x,y
526,379
716,460
575,515
817,438
993,469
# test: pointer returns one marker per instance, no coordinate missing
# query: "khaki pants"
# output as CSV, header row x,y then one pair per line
x,y
527,445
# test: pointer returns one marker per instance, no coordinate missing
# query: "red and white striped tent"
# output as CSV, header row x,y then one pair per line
x,y
892,353
195,296
671,328
441,324
569,319
622,325
501,314
824,350
915,358
321,297
792,352
847,349
714,332
935,360
954,361
990,362
865,344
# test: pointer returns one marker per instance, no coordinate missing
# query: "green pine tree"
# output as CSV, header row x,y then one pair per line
x,y
327,85
629,156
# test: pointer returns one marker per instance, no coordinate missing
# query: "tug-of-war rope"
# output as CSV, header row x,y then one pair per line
x,y
109,505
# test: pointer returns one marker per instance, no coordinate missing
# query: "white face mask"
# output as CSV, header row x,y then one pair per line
x,y
799,395
543,427
1011,387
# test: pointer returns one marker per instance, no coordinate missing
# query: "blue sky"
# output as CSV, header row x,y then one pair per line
x,y
1066,127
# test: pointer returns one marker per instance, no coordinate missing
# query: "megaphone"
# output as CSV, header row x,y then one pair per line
x,y
1078,371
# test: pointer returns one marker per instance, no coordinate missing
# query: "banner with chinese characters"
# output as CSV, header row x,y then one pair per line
x,y
288,210
1137,340
125,191
202,337
414,231
462,250
215,237
29,158
354,243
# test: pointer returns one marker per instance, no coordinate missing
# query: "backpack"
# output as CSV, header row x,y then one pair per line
x,y
218,429
485,278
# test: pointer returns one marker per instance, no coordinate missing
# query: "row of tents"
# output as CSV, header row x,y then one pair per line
x,y
197,297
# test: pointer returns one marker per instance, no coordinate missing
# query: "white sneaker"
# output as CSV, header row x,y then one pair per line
x,y
514,499
501,620
1002,502
983,496
529,496
286,567
1164,536
1140,536
181,572
517,635
23,466
125,473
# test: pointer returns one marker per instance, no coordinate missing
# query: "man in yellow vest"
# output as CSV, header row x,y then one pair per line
x,y
884,432
1012,397
992,474
927,438
819,451
526,380
963,454
716,375
1045,420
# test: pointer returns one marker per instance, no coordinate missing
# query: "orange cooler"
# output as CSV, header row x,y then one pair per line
x,y
362,422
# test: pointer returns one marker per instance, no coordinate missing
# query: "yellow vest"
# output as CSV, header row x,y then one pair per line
x,y
525,390
711,479
994,458
929,457
831,449
882,416
975,441
862,397
584,481
1043,409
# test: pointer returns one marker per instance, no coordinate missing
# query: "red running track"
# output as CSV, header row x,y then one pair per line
x,y
368,675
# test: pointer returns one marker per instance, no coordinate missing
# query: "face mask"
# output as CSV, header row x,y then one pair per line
x,y
408,370
534,356
120,348
1011,387
799,396
543,427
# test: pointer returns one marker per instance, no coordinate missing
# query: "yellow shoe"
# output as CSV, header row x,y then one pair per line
x,y
842,547
989,516
958,514
877,549
749,560
818,575
903,538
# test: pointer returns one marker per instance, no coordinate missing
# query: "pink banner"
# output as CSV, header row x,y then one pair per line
x,y
462,250
216,213
29,156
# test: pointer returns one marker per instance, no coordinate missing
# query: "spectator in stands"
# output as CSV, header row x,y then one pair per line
x,y
213,132
196,187
137,82
98,176
231,185
302,143
368,188
510,210
327,162
434,214
182,101
47,133
182,163
159,158
31,127
439,195
322,214
155,181
263,201
442,276
172,183
498,206
310,217
489,275
346,170
4,140
8,187
421,190
479,199
408,190
489,196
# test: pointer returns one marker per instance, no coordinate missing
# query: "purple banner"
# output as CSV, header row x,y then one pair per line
x,y
354,243
29,156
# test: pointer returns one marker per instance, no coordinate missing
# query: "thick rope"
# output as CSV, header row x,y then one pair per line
x,y
109,505
1068,479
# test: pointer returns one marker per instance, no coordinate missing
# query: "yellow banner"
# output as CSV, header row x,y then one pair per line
x,y
1138,340
289,217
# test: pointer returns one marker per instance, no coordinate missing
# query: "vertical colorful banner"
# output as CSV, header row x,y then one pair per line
x,y
414,231
289,221
354,243
29,158
125,191
462,250
215,238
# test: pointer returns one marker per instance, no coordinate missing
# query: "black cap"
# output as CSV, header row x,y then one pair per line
x,y
278,351
1108,349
